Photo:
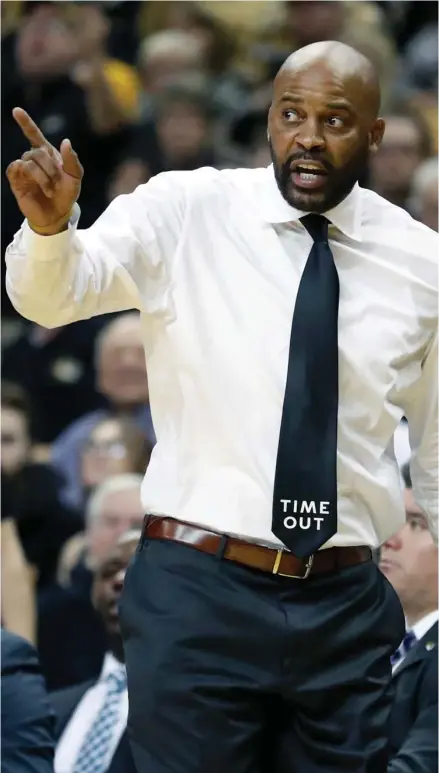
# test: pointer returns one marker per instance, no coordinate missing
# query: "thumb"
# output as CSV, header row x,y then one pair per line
x,y
70,161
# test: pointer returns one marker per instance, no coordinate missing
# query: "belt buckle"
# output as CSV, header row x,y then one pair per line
x,y
308,567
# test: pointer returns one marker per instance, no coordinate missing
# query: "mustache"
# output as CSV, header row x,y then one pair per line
x,y
316,158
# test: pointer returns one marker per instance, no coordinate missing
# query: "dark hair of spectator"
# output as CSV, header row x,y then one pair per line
x,y
14,397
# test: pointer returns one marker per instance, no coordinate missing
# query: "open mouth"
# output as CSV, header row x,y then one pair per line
x,y
309,175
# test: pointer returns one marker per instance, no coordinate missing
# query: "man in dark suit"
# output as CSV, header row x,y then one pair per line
x,y
410,561
92,716
27,721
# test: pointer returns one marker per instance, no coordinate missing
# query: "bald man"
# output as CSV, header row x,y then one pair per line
x,y
288,319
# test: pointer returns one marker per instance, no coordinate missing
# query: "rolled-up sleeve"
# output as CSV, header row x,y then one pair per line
x,y
122,262
422,415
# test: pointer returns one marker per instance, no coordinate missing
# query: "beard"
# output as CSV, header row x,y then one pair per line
x,y
338,185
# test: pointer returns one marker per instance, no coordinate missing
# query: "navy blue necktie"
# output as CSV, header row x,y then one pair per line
x,y
305,488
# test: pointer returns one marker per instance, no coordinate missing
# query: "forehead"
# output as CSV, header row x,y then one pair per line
x,y
321,82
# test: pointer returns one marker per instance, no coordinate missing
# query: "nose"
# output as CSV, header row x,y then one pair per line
x,y
310,136
395,541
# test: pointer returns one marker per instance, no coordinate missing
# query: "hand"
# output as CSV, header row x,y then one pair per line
x,y
45,183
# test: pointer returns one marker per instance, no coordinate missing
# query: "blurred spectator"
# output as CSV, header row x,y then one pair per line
x,y
59,71
27,719
57,368
115,447
180,138
31,491
82,710
17,584
361,25
405,145
72,640
409,560
424,193
113,507
122,380
166,58
419,65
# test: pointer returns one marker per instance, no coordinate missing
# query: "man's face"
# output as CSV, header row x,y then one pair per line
x,y
317,119
393,167
108,584
122,368
182,130
409,561
15,441
121,511
45,45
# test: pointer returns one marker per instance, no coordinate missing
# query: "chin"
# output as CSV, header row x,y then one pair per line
x,y
308,202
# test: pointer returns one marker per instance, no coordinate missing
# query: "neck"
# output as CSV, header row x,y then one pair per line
x,y
415,614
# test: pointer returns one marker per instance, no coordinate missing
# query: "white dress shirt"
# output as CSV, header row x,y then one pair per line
x,y
86,713
213,259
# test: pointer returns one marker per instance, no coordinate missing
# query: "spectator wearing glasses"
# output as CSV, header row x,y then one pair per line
x,y
409,560
122,380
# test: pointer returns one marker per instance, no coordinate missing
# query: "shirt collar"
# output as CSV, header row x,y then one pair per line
x,y
110,666
425,623
346,216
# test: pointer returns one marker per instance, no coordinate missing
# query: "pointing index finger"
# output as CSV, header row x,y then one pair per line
x,y
29,128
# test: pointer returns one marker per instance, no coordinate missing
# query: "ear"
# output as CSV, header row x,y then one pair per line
x,y
376,135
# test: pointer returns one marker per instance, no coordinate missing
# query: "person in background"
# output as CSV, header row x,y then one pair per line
x,y
71,637
56,367
58,65
406,143
423,200
166,58
84,710
18,607
181,137
31,491
409,560
116,446
27,719
122,380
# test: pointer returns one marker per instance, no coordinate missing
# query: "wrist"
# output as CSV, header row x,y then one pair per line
x,y
54,228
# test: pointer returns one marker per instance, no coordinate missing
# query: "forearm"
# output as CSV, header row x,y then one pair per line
x,y
73,275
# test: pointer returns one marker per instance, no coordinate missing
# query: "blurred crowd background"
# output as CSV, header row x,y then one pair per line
x,y
139,88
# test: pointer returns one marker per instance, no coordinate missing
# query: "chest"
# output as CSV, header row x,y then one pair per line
x,y
235,291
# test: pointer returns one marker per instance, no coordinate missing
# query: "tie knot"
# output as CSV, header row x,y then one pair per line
x,y
317,227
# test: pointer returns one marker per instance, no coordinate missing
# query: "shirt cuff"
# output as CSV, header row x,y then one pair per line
x,y
46,248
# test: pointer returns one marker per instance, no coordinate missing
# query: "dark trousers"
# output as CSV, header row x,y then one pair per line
x,y
232,670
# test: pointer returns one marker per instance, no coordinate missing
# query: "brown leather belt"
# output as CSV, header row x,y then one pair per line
x,y
255,556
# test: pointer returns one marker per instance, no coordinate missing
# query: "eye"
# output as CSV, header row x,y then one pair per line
x,y
335,122
290,114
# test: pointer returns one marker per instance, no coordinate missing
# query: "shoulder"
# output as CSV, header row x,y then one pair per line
x,y
16,653
77,430
206,186
377,212
411,246
65,701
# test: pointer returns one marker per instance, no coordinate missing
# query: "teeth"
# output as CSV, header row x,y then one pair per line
x,y
308,176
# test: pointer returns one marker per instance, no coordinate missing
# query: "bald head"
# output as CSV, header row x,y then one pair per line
x,y
347,65
323,124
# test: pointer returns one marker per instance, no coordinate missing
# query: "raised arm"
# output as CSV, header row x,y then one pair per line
x,y
56,274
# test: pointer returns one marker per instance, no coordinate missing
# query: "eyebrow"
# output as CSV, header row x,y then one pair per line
x,y
335,104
